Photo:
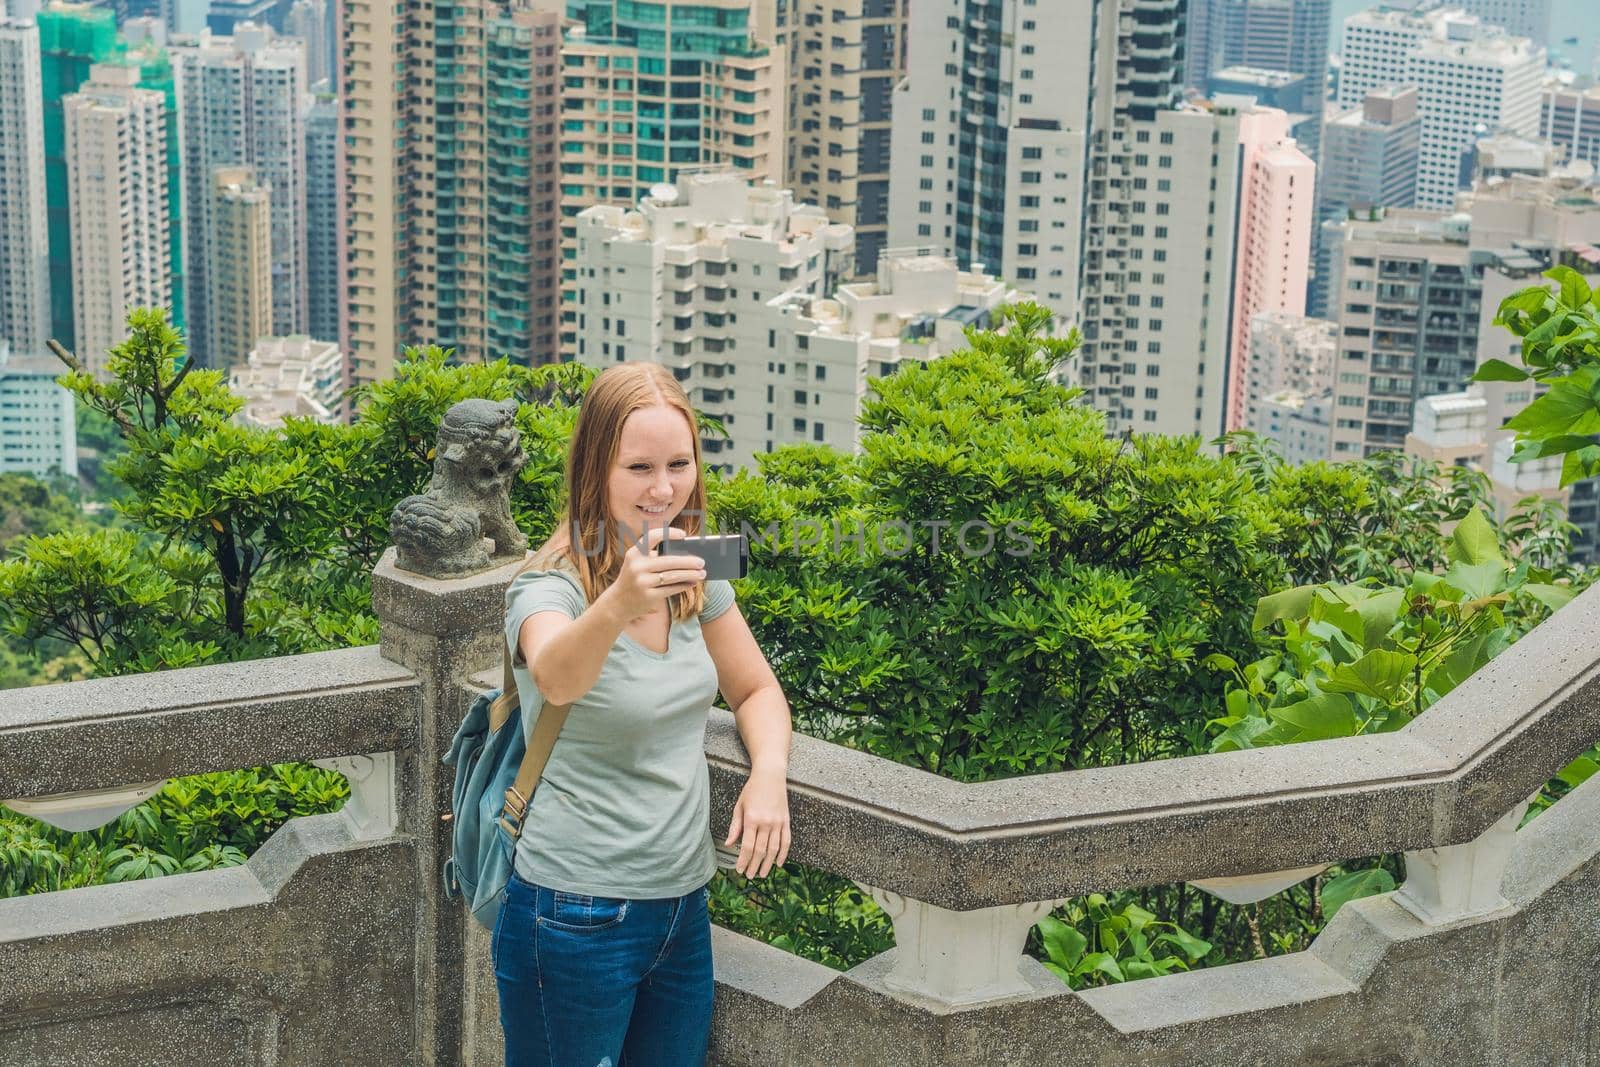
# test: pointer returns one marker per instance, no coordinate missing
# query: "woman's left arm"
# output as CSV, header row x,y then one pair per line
x,y
761,816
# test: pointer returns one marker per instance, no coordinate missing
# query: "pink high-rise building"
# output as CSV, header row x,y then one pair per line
x,y
1277,204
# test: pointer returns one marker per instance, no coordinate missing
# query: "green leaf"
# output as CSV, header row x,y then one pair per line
x,y
1458,666
1319,717
1347,887
1192,946
1101,963
1578,771
1288,604
1554,597
1498,370
1477,580
1574,290
1379,673
1474,540
1566,408
1529,449
1062,943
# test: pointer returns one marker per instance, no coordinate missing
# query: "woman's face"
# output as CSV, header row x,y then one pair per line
x,y
654,471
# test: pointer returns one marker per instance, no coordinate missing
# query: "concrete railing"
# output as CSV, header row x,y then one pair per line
x,y
333,945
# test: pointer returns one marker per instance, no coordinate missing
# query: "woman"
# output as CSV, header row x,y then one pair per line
x,y
603,949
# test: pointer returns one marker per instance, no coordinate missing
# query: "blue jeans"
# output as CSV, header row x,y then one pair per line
x,y
602,982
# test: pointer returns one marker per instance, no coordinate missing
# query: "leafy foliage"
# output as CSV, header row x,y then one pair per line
x,y
1560,333
1095,942
1366,658
192,824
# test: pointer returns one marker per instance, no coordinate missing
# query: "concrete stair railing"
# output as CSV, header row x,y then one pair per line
x,y
334,945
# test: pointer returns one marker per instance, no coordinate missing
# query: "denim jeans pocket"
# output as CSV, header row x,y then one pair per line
x,y
581,912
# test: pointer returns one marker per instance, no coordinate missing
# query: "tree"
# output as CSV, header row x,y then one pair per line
x,y
1560,333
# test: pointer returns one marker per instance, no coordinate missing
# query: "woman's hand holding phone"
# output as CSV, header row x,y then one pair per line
x,y
647,580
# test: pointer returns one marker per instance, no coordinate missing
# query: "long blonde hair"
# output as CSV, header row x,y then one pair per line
x,y
615,394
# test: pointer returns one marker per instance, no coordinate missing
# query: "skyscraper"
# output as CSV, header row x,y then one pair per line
x,y
116,152
843,63
239,260
1070,162
24,231
323,218
1369,158
308,20
1279,35
241,103
451,182
1277,202
993,170
72,38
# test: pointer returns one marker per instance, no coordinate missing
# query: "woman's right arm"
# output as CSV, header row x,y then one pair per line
x,y
565,655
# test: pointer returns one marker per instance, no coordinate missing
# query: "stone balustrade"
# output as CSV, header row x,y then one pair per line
x,y
333,945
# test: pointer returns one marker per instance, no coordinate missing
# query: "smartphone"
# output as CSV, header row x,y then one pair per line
x,y
727,556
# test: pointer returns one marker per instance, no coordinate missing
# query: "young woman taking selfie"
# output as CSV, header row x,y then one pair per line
x,y
602,953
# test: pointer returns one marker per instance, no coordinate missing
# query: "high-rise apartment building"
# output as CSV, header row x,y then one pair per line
x,y
72,38
1369,159
1468,75
324,219
991,139
24,229
1069,160
450,186
1419,291
641,105
1408,310
239,259
241,103
1569,119
116,152
1277,203
1287,36
843,63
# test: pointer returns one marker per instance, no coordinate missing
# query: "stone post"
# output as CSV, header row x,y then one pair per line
x,y
442,630
1455,882
958,958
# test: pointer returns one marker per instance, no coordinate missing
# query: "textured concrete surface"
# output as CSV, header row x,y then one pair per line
x,y
1378,988
116,731
304,956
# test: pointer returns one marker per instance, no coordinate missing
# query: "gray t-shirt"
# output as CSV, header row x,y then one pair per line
x,y
623,808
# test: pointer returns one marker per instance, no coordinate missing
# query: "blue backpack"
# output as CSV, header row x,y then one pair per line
x,y
496,772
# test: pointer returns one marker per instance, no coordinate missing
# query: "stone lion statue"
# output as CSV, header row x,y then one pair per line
x,y
444,533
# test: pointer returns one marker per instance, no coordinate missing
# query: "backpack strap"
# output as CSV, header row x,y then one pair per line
x,y
545,731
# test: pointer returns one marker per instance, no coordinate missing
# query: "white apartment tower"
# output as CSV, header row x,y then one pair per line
x,y
687,280
116,153
241,102
24,233
1471,78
